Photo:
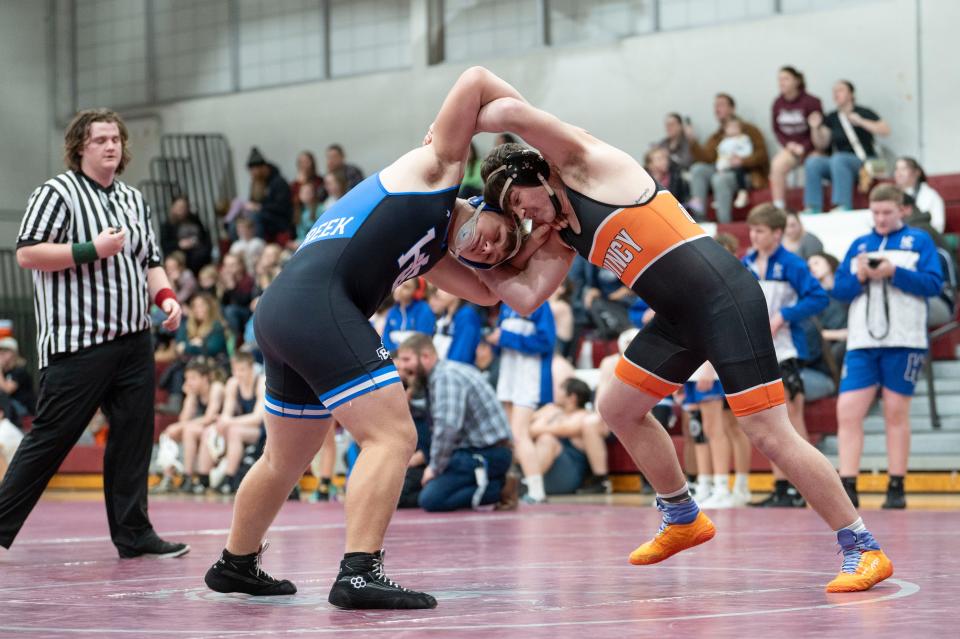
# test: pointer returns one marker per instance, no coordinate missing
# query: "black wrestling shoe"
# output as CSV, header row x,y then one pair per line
x,y
242,573
155,548
362,584
795,499
596,485
774,500
896,500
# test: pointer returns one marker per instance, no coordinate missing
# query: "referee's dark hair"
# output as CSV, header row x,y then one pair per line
x,y
78,132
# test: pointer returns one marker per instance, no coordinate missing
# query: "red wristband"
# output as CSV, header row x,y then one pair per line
x,y
163,295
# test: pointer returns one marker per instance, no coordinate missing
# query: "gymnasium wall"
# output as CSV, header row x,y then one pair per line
x,y
24,110
621,91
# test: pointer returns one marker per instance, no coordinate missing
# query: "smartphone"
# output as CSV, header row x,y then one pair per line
x,y
874,262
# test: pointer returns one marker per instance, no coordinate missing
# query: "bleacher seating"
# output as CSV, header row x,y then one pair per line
x,y
820,416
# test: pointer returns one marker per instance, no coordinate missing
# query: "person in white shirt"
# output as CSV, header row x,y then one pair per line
x,y
910,178
247,245
735,144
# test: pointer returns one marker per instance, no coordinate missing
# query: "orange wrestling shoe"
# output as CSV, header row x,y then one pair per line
x,y
672,538
864,564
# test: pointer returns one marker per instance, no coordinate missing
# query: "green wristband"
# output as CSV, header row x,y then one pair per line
x,y
84,253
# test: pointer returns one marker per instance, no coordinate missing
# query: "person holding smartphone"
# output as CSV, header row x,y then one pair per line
x,y
886,276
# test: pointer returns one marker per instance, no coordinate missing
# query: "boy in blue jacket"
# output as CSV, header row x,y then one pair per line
x,y
793,296
887,276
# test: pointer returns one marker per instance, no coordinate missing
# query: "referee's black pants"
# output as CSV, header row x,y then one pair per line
x,y
118,376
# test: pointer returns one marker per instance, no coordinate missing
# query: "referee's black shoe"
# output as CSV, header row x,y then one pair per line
x,y
156,548
362,584
242,573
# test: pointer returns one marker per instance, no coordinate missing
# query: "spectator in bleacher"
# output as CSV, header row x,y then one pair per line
x,y
207,279
886,276
270,205
407,316
236,292
704,176
676,143
267,268
183,231
306,174
571,440
832,319
336,161
526,353
563,317
640,313
793,296
577,282
847,134
335,182
458,326
182,280
470,439
202,405
240,422
797,240
607,302
704,394
658,164
322,466
791,114
249,335
311,208
247,245
487,360
10,435
735,146
941,308
472,183
202,334
379,318
912,180
729,242
16,382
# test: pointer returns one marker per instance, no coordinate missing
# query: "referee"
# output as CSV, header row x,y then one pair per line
x,y
89,240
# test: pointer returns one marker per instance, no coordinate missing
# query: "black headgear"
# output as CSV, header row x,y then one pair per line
x,y
526,167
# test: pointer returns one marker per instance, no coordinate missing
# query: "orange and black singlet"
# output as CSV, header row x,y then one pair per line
x,y
708,306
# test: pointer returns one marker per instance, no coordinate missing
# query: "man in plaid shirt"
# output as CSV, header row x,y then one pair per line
x,y
470,452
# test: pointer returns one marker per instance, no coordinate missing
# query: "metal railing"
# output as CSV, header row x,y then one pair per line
x,y
199,166
934,335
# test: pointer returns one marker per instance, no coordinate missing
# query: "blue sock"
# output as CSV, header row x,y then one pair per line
x,y
682,513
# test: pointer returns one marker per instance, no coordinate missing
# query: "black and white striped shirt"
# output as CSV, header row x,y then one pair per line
x,y
91,303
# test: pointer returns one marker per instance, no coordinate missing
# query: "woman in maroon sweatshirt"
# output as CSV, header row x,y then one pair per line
x,y
790,111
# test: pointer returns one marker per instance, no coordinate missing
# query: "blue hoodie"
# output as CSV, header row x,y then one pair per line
x,y
534,334
416,317
793,291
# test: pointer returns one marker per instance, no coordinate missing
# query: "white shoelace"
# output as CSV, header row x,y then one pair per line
x,y
263,574
851,559
381,575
